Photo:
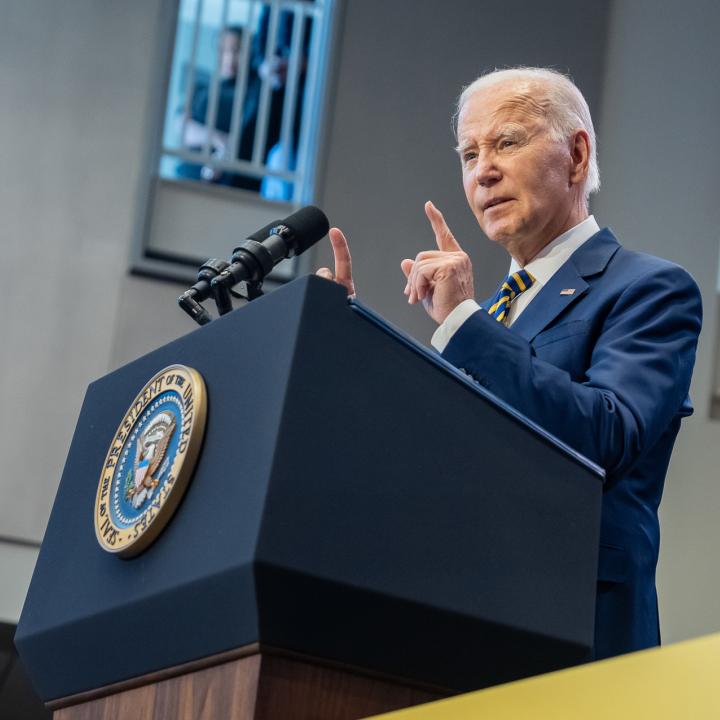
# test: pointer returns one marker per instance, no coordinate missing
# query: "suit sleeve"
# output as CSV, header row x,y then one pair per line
x,y
636,382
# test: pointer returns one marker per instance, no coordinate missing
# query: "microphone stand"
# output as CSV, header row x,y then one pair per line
x,y
190,300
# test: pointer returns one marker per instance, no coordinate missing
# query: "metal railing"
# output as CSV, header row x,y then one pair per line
x,y
257,99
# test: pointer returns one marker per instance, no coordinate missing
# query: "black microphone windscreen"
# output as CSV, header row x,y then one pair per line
x,y
308,225
263,232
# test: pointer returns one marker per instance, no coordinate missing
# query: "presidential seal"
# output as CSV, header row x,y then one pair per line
x,y
150,461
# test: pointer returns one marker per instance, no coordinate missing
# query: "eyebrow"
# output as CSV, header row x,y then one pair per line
x,y
502,132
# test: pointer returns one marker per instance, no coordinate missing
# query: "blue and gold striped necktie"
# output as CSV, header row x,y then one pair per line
x,y
515,284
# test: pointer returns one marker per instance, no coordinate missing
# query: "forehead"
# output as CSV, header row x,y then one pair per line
x,y
520,101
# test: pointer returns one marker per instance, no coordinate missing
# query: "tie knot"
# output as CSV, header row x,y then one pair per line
x,y
514,284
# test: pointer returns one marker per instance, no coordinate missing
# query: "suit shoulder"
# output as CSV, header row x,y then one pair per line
x,y
644,280
637,266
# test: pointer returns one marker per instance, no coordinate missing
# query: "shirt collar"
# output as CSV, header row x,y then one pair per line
x,y
553,256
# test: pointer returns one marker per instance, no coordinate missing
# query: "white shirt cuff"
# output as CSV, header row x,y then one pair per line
x,y
442,336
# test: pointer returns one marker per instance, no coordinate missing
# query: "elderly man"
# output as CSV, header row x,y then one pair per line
x,y
593,342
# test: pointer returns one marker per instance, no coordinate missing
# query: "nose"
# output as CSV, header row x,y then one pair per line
x,y
487,173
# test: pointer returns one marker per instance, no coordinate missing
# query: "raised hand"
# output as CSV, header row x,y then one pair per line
x,y
343,262
441,279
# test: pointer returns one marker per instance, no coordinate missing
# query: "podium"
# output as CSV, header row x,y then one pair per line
x,y
366,529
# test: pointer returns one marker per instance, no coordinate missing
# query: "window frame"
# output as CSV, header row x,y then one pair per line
x,y
181,267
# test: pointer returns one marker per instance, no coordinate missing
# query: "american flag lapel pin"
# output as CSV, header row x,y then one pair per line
x,y
568,291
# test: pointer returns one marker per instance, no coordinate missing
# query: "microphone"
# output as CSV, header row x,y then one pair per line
x,y
253,260
190,300
221,293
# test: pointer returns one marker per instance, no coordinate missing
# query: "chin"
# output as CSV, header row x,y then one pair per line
x,y
498,232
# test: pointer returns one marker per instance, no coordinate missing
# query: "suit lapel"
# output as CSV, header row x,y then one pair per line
x,y
549,302
589,259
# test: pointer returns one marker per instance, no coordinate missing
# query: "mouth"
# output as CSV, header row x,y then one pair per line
x,y
495,202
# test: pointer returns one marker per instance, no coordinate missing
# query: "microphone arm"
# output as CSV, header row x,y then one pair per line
x,y
190,300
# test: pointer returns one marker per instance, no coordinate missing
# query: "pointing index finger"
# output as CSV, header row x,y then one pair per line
x,y
341,251
443,236
343,262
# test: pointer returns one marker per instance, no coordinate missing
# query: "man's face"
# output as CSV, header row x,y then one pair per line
x,y
516,177
229,54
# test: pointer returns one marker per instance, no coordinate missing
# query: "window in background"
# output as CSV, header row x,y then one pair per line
x,y
243,98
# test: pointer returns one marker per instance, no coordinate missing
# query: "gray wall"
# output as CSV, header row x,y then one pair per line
x,y
77,85
660,154
73,83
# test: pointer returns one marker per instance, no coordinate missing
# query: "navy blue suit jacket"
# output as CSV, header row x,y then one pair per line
x,y
607,370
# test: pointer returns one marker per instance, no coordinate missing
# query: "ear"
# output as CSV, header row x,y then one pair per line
x,y
579,157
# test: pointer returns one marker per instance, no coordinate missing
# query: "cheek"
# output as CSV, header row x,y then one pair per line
x,y
555,171
469,189
541,187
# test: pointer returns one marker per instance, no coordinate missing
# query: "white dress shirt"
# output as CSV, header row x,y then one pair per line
x,y
542,267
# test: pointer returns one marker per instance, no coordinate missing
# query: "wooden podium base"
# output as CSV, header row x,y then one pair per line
x,y
246,684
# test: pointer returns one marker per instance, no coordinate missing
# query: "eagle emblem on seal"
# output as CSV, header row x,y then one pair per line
x,y
151,448
150,461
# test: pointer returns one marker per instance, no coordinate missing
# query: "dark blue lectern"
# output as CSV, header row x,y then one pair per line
x,y
358,505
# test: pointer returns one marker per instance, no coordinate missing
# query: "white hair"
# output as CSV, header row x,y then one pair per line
x,y
565,108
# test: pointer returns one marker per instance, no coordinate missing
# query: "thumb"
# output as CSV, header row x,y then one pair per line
x,y
406,266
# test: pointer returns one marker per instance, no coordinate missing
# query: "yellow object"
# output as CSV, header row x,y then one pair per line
x,y
680,681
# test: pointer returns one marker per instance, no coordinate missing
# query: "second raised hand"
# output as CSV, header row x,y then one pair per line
x,y
343,262
441,279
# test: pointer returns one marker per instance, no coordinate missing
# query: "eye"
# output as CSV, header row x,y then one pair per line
x,y
468,156
504,144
